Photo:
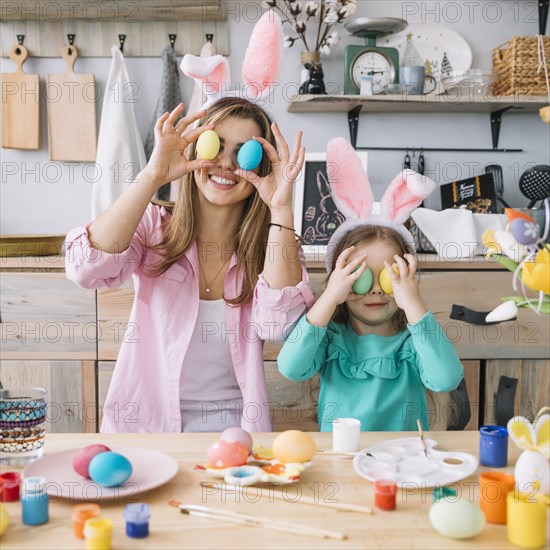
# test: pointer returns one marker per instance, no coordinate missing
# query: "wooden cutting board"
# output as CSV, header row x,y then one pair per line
x,y
71,101
20,105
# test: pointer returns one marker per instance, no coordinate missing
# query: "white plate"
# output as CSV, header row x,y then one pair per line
x,y
422,43
150,469
403,460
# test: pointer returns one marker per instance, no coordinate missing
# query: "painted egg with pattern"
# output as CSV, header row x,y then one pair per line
x,y
208,145
224,454
250,155
524,231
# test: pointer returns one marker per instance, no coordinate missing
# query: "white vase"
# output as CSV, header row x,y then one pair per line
x,y
532,468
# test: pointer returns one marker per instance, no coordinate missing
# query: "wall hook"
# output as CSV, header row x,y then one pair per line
x,y
121,39
172,38
209,37
70,38
20,39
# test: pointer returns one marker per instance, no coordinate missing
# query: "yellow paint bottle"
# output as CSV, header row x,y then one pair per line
x,y
526,515
98,532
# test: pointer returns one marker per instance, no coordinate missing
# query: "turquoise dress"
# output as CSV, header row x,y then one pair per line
x,y
379,380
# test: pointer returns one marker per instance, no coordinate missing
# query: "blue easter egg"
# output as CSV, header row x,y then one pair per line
x,y
250,155
110,469
524,231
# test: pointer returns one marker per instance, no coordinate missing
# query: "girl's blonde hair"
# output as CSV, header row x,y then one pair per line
x,y
363,235
181,229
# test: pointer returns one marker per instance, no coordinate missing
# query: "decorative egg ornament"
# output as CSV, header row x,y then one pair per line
x,y
225,454
525,232
237,435
82,459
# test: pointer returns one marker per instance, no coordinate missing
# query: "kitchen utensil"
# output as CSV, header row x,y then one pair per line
x,y
71,101
407,161
496,171
534,183
20,105
421,167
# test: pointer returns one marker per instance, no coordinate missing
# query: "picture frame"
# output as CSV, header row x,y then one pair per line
x,y
315,214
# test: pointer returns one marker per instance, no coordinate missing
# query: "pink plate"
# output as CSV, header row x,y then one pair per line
x,y
151,469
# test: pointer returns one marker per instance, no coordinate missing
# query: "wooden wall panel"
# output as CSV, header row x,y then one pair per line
x,y
46,316
71,389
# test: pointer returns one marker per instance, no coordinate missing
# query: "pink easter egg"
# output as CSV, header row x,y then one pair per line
x,y
225,454
239,435
82,459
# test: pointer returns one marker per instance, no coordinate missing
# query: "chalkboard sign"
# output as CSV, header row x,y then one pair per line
x,y
315,214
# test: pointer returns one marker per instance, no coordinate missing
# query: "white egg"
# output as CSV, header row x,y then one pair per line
x,y
457,520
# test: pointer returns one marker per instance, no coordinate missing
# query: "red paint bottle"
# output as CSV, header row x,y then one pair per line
x,y
385,491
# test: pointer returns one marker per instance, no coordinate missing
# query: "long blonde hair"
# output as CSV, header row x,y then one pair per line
x,y
181,229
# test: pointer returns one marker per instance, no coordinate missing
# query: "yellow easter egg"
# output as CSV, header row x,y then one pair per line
x,y
536,275
208,145
4,520
385,282
294,446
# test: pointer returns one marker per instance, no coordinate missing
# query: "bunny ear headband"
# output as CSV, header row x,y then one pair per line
x,y
260,68
352,194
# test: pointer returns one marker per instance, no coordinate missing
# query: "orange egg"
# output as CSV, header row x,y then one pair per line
x,y
294,446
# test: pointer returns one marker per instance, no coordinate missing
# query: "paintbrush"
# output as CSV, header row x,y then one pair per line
x,y
422,437
241,518
343,506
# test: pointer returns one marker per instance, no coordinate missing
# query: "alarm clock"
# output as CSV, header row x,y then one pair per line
x,y
369,59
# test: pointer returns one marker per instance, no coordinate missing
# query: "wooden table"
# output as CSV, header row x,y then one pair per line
x,y
330,478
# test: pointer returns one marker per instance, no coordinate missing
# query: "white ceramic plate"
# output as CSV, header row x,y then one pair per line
x,y
150,469
429,43
403,460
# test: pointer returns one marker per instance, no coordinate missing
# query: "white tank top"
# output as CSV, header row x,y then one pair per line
x,y
210,397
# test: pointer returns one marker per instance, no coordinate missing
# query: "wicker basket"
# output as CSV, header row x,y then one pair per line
x,y
515,67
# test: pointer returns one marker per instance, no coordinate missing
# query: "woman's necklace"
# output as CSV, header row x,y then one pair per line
x,y
209,285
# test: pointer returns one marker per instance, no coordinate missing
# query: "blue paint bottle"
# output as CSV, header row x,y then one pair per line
x,y
137,520
34,501
493,446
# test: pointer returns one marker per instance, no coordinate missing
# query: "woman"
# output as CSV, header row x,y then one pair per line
x,y
214,276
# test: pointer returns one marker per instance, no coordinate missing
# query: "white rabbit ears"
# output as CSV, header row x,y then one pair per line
x,y
533,437
260,68
352,192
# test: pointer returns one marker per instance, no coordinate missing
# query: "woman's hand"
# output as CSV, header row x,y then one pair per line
x,y
168,161
405,287
344,276
275,189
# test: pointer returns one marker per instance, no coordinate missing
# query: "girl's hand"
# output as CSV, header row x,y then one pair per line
x,y
275,189
168,161
405,287
344,275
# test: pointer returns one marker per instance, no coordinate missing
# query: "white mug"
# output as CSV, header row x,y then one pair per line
x,y
346,433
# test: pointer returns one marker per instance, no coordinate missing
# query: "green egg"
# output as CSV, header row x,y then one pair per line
x,y
364,283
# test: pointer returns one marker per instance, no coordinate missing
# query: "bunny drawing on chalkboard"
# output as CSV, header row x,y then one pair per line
x,y
330,217
532,472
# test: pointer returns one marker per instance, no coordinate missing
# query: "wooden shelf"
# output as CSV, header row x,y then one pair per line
x,y
429,103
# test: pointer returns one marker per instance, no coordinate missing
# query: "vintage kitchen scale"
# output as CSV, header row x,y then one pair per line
x,y
369,59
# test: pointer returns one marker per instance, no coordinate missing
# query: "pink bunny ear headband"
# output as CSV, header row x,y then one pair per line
x,y
352,194
260,68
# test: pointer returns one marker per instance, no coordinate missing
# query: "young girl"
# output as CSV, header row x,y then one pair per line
x,y
214,274
378,349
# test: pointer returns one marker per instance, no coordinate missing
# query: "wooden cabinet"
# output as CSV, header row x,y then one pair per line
x,y
71,389
54,336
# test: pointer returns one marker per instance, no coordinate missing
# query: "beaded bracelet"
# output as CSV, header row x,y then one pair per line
x,y
298,238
